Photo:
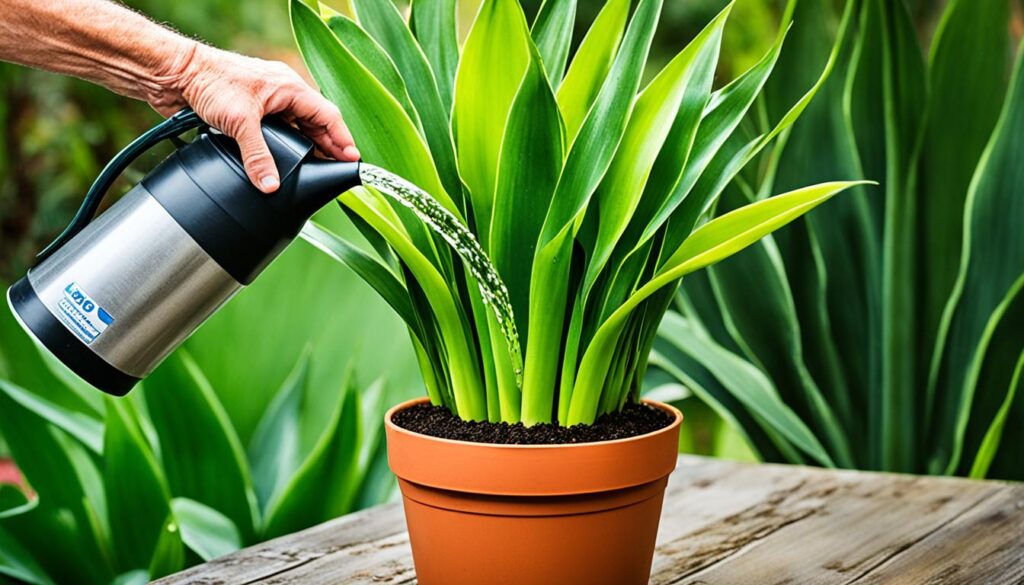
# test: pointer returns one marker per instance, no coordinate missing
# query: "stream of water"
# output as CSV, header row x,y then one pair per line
x,y
465,244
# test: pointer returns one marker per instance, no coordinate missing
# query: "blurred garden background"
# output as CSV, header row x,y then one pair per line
x,y
299,410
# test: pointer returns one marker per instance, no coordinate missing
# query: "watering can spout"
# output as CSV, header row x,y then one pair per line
x,y
318,181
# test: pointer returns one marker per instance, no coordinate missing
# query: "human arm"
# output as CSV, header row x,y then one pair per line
x,y
108,44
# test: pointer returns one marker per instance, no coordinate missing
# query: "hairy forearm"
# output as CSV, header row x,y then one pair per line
x,y
108,44
99,41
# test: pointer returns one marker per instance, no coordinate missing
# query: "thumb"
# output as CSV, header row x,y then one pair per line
x,y
259,164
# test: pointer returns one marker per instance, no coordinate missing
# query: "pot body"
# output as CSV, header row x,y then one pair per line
x,y
532,514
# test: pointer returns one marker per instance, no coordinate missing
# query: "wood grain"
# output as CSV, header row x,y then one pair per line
x,y
722,523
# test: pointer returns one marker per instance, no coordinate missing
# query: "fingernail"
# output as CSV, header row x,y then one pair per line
x,y
269,182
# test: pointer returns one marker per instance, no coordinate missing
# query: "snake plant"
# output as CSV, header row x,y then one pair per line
x,y
882,331
587,190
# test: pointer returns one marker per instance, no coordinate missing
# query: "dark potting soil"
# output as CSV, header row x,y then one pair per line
x,y
438,421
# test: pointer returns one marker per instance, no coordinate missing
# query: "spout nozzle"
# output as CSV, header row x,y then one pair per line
x,y
318,182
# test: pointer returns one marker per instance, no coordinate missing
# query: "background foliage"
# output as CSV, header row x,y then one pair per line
x,y
132,489
888,323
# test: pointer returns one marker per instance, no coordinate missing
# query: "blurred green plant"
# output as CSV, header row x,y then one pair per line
x,y
705,432
889,322
133,489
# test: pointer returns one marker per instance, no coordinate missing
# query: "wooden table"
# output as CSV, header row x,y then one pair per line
x,y
722,523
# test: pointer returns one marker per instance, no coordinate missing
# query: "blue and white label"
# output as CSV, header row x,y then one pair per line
x,y
81,314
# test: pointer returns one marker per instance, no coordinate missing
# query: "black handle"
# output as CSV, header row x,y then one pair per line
x,y
172,127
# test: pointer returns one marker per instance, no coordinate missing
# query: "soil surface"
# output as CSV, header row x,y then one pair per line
x,y
438,421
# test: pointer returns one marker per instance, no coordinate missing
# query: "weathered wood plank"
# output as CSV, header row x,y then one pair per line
x,y
829,531
984,545
722,523
270,559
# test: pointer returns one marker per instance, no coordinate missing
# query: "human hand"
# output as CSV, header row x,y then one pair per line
x,y
232,93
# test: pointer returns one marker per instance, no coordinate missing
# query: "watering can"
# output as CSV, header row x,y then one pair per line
x,y
111,297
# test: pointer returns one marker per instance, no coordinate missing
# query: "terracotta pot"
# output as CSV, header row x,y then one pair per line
x,y
484,514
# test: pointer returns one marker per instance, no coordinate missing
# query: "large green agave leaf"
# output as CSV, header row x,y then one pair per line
x,y
386,135
723,114
81,426
718,172
993,429
24,364
991,276
434,25
552,31
205,531
764,324
884,102
377,275
469,392
590,66
675,153
275,447
528,169
653,117
747,384
904,92
15,561
587,161
376,482
62,527
967,83
201,454
494,60
385,23
602,131
376,60
326,483
169,556
831,255
713,242
138,500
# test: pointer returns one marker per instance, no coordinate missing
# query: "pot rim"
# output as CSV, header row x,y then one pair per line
x,y
676,421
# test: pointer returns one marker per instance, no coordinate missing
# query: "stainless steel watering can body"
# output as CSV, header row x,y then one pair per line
x,y
112,297
136,262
